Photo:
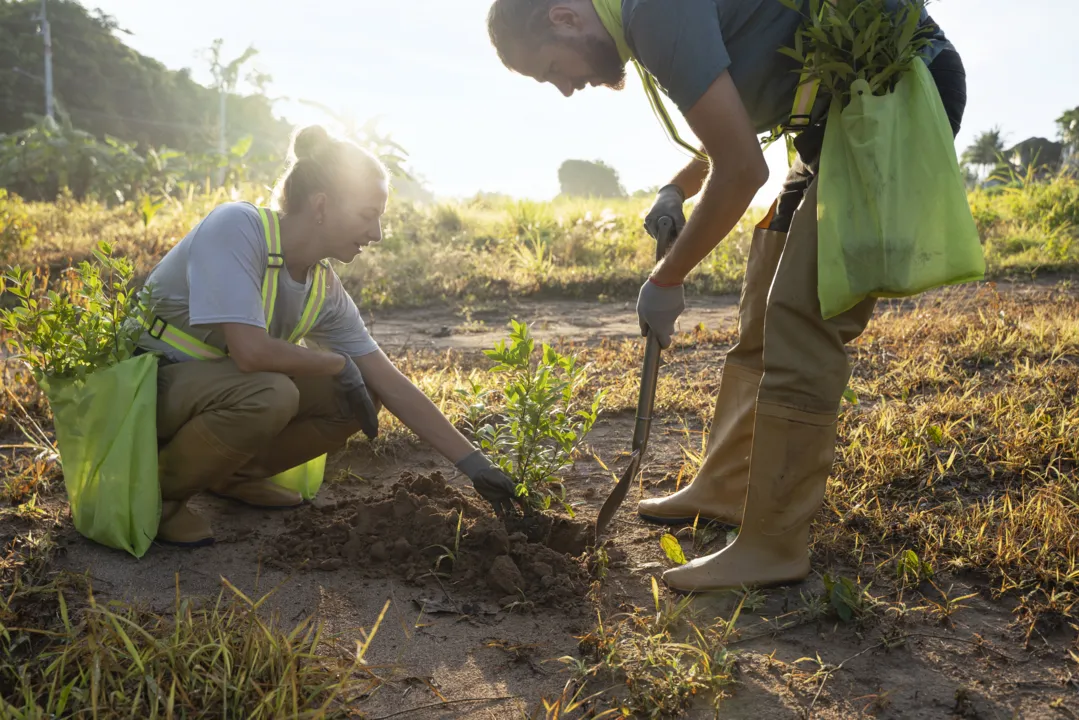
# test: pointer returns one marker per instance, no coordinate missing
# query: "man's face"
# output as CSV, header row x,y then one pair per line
x,y
573,58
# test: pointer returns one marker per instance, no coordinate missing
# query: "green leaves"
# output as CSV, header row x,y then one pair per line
x,y
78,327
673,549
841,41
532,424
846,598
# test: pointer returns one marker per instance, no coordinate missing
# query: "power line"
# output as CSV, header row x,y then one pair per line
x,y
114,116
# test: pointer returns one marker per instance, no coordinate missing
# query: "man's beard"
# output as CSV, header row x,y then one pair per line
x,y
602,54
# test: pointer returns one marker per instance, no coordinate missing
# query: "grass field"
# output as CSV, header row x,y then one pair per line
x,y
945,573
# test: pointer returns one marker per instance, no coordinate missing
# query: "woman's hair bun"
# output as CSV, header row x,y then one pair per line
x,y
310,141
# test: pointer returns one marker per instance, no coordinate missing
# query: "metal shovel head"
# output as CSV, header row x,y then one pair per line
x,y
610,505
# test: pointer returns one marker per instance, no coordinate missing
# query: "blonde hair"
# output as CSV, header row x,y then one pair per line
x,y
318,162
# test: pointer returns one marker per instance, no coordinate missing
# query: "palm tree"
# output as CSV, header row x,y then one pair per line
x,y
986,153
1069,135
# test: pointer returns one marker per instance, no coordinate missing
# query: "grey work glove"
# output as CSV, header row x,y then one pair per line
x,y
658,307
669,201
354,398
490,482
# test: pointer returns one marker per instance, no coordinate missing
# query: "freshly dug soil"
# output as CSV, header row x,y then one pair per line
x,y
532,560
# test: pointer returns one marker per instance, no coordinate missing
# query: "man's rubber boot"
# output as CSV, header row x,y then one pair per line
x,y
261,494
718,492
180,526
792,457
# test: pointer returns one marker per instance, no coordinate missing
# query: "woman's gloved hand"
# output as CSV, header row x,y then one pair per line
x,y
490,482
354,398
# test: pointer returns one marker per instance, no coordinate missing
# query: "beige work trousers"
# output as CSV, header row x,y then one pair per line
x,y
216,424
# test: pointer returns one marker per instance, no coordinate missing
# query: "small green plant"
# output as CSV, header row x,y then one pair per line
x,y
148,209
79,328
448,554
540,423
846,597
666,661
911,570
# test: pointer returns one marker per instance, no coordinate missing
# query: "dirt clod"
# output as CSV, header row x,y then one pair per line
x,y
536,558
504,576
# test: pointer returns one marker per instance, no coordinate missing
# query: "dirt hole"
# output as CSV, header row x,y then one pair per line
x,y
532,560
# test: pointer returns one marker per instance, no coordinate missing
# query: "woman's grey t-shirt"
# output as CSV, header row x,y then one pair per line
x,y
687,44
215,274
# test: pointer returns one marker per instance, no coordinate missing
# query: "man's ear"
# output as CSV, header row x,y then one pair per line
x,y
564,17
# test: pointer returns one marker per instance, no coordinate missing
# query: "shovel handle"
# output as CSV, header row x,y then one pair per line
x,y
645,401
650,369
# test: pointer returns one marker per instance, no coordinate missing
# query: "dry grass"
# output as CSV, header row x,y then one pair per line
x,y
220,660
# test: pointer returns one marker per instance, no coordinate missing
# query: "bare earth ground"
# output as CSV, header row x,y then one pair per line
x,y
498,663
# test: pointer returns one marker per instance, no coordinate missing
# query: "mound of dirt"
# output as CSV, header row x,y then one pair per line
x,y
534,559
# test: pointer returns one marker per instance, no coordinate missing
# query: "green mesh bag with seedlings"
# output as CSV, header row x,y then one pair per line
x,y
842,41
78,342
893,218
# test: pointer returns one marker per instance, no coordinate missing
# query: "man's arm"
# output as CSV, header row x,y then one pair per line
x,y
690,179
720,121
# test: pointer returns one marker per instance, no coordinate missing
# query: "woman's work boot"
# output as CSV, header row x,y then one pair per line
x,y
180,526
792,457
261,494
718,492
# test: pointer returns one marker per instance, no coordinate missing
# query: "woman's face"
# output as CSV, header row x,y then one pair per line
x,y
354,220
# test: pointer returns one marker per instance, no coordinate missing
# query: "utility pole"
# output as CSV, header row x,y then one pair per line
x,y
222,147
48,60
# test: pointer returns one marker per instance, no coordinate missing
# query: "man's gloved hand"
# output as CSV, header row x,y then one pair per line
x,y
669,202
490,482
354,398
658,307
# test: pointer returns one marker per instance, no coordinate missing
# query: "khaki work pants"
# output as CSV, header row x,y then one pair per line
x,y
216,424
781,332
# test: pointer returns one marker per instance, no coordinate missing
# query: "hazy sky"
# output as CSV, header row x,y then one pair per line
x,y
469,124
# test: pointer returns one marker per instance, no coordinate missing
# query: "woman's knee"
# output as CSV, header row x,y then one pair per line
x,y
270,398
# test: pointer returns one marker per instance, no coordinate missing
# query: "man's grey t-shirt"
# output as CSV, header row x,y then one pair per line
x,y
687,44
215,274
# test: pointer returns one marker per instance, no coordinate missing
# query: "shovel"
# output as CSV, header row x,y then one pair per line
x,y
645,400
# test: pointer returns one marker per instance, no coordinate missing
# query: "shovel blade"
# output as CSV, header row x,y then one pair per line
x,y
610,505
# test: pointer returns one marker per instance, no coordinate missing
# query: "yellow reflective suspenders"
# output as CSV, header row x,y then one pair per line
x,y
160,329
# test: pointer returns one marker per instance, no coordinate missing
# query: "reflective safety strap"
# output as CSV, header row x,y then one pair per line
x,y
160,329
275,261
654,99
806,94
179,340
320,288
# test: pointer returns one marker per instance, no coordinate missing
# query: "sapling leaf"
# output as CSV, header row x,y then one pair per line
x,y
672,548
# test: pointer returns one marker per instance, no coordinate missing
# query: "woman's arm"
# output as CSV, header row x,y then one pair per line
x,y
254,350
408,403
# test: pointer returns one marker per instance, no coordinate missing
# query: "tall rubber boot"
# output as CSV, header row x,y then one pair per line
x,y
180,526
792,457
718,492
